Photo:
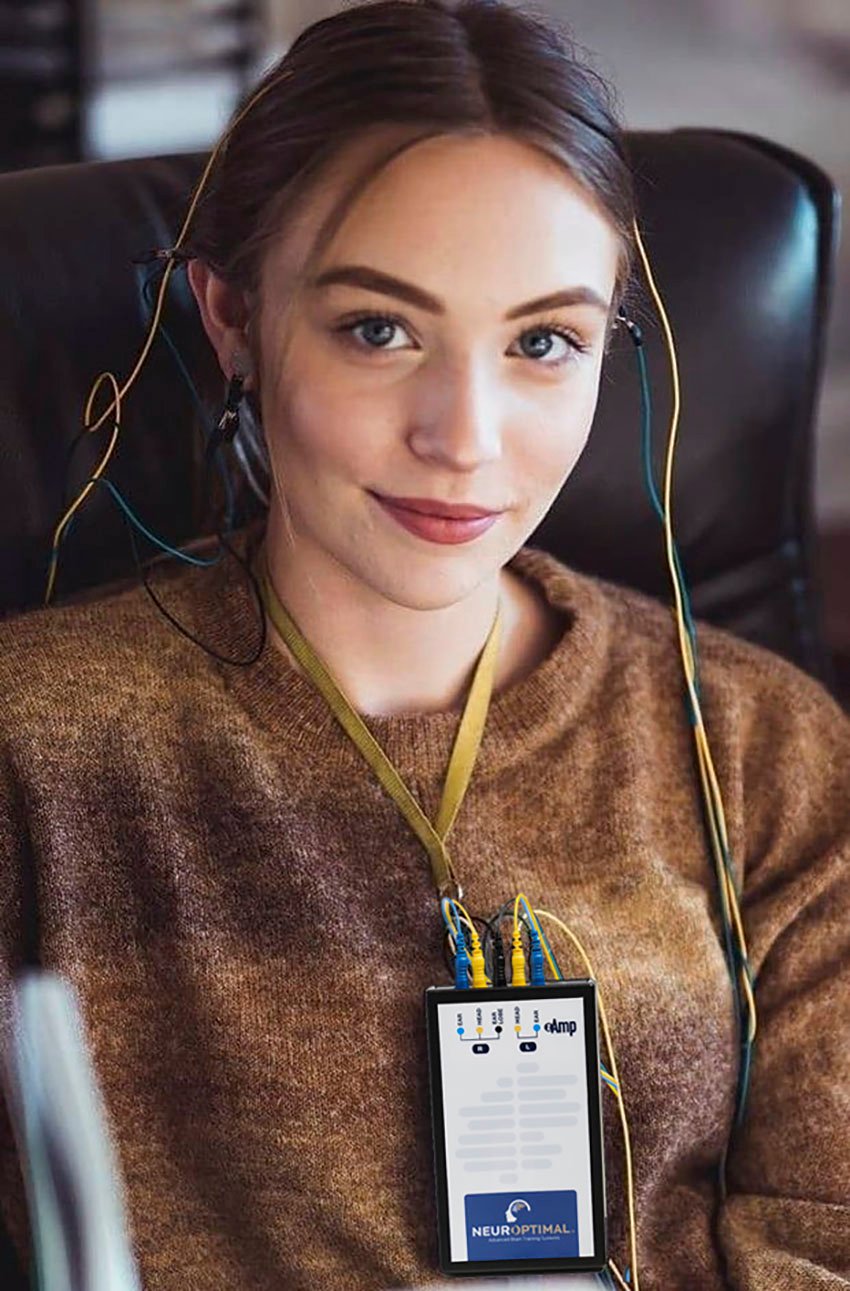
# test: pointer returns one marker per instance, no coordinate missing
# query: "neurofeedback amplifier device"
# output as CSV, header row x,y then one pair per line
x,y
517,1124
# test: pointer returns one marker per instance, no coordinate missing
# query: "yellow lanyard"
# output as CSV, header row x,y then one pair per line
x,y
464,752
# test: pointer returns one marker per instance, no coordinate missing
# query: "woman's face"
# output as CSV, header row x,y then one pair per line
x,y
424,388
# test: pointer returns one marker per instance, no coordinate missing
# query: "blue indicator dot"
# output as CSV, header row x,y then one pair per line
x,y
537,1026
460,1030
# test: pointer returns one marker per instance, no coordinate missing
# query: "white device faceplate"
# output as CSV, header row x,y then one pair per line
x,y
516,1121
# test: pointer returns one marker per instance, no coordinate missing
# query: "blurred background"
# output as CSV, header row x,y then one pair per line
x,y
86,79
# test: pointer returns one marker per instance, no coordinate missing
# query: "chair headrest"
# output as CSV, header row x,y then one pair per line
x,y
741,235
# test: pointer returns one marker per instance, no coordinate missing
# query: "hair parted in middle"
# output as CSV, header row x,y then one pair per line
x,y
420,69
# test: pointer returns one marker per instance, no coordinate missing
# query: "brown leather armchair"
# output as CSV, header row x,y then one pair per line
x,y
742,237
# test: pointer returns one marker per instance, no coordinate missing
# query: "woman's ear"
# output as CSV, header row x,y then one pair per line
x,y
224,315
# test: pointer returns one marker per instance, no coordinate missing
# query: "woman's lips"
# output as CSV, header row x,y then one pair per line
x,y
438,528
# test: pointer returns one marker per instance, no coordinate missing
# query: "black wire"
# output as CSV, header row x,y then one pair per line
x,y
142,571
85,430
492,929
246,565
214,441
495,939
488,943
236,663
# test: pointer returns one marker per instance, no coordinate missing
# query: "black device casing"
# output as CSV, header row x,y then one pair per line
x,y
584,988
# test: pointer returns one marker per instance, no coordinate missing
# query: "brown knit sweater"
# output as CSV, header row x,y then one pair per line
x,y
250,926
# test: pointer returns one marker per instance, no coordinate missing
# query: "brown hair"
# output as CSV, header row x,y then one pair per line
x,y
427,68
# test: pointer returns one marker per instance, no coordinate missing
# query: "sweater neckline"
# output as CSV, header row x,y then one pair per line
x,y
524,715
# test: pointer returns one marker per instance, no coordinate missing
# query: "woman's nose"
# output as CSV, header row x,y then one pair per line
x,y
458,424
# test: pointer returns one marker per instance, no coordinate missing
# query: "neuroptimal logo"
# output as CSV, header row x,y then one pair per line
x,y
537,1225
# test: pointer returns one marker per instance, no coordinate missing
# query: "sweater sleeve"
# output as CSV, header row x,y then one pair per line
x,y
785,1222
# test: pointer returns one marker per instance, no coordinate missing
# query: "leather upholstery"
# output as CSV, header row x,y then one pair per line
x,y
742,237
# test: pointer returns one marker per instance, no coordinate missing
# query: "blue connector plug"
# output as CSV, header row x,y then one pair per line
x,y
462,962
538,976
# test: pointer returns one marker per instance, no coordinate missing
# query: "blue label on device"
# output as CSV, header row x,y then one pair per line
x,y
521,1225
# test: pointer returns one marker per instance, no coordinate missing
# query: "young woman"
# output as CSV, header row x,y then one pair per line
x,y
409,257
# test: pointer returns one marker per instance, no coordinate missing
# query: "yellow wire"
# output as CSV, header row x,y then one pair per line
x,y
104,462
714,800
121,392
522,897
618,1275
473,931
116,405
711,789
546,914
730,901
668,470
465,917
708,777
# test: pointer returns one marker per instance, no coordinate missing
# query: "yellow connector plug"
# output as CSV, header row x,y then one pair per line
x,y
518,977
476,959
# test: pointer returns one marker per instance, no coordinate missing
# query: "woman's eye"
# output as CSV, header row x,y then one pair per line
x,y
376,328
375,331
571,345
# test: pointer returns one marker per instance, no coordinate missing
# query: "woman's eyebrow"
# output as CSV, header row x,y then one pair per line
x,y
355,275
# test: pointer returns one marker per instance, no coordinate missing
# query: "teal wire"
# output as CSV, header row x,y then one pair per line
x,y
205,422
734,959
545,940
203,416
158,542
646,450
447,901
560,976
